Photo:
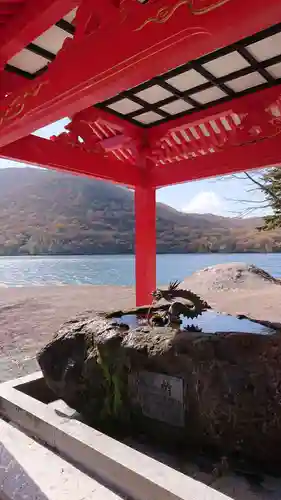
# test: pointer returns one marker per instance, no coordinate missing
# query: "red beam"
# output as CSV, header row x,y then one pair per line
x,y
262,154
141,49
7,11
34,17
145,244
10,82
44,153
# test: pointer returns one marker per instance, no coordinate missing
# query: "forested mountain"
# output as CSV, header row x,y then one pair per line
x,y
46,212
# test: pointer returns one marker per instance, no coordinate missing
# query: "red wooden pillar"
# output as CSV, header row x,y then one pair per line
x,y
145,244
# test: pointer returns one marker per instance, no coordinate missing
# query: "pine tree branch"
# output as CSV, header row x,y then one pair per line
x,y
264,188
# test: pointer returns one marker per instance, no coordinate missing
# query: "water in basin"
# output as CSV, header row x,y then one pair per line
x,y
213,322
208,322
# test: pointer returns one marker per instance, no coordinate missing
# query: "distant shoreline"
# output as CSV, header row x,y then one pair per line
x,y
119,269
254,252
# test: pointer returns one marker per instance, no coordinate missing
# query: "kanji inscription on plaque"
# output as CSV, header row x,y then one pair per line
x,y
160,396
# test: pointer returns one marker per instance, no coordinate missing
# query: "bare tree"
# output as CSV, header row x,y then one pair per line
x,y
255,185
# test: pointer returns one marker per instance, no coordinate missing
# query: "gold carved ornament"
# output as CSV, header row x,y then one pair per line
x,y
165,13
16,107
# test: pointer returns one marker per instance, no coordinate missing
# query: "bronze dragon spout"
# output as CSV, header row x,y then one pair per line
x,y
181,303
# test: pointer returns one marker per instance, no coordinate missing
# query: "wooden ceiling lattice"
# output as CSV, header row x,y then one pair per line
x,y
34,59
242,68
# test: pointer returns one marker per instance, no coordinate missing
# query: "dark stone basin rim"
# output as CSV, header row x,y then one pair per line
x,y
145,309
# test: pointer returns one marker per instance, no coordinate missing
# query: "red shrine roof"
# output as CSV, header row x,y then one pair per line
x,y
226,100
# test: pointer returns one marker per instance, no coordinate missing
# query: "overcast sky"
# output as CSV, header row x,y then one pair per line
x,y
217,196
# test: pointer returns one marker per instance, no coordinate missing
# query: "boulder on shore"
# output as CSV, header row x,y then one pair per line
x,y
221,392
230,276
238,288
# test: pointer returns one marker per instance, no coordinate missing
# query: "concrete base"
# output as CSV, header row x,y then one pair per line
x,y
46,453
112,469
28,470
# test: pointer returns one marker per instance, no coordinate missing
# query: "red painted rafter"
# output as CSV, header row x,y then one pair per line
x,y
38,151
45,153
240,105
240,121
101,134
92,114
97,131
33,19
106,69
236,159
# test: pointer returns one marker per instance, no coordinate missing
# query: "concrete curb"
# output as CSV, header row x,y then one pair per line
x,y
29,471
114,464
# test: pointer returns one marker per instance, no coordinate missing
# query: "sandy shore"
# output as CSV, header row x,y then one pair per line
x,y
29,317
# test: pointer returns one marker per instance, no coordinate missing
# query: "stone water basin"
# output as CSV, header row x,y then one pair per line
x,y
216,390
208,322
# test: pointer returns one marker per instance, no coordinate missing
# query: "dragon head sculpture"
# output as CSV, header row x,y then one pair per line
x,y
167,294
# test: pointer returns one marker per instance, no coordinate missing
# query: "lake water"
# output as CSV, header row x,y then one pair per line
x,y
116,269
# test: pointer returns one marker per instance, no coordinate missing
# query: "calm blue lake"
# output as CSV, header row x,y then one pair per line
x,y
116,270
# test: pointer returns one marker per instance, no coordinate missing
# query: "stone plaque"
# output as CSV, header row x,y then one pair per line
x,y
160,396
